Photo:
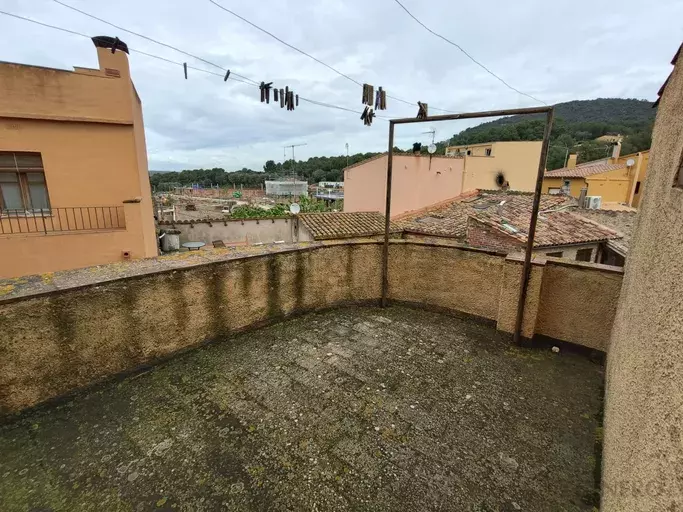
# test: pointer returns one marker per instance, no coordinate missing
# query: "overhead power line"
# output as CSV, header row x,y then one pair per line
x,y
344,75
468,55
152,40
250,82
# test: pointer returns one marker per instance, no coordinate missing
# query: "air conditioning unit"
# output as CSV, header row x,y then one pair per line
x,y
593,202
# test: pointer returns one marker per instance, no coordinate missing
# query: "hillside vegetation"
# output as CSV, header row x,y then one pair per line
x,y
577,125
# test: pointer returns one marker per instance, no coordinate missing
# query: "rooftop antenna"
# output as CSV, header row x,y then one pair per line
x,y
294,176
432,147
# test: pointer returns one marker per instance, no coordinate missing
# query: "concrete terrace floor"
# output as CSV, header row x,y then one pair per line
x,y
349,409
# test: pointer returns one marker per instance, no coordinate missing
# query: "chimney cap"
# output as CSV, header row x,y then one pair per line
x,y
109,42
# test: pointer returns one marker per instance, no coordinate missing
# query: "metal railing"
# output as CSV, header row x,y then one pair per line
x,y
62,220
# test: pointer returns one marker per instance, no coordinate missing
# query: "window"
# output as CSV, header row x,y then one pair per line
x,y
469,152
488,151
554,191
554,254
637,187
22,182
584,254
566,184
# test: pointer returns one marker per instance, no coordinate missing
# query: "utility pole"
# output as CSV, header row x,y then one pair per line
x,y
293,160
347,154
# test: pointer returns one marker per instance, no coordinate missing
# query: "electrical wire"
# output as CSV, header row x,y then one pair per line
x,y
412,104
164,59
468,55
152,40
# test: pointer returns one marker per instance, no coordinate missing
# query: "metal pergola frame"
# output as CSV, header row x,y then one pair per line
x,y
550,112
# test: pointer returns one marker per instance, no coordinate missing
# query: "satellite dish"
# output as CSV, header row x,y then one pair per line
x,y
630,162
294,208
431,148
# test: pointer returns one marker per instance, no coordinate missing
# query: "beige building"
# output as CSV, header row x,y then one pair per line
x,y
515,162
74,186
619,179
419,180
643,447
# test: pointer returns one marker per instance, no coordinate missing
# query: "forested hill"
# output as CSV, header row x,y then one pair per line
x,y
577,125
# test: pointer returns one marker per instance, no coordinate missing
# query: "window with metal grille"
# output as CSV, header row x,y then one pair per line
x,y
22,183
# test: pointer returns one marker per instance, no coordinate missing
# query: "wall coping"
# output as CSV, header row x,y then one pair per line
x,y
216,220
44,288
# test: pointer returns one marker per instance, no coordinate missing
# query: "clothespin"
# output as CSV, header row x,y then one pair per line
x,y
378,95
227,75
185,69
422,110
115,45
382,99
367,116
297,100
265,91
282,98
275,94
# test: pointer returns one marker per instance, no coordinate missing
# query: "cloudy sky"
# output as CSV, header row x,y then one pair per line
x,y
556,51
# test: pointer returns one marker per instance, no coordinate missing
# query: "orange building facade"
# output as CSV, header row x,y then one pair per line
x,y
74,185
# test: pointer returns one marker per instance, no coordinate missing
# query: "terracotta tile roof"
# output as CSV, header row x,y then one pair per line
x,y
583,170
329,225
556,224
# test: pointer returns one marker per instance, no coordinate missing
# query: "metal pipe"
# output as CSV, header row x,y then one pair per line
x,y
387,218
474,115
526,272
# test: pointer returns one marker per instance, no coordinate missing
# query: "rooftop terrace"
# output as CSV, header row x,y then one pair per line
x,y
353,408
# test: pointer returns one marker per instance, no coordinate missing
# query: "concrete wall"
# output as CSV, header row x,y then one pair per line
x,y
643,448
56,342
417,181
518,161
89,131
249,231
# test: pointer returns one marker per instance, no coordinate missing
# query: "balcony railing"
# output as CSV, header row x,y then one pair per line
x,y
62,220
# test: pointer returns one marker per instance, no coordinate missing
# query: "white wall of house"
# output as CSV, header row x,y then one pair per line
x,y
249,231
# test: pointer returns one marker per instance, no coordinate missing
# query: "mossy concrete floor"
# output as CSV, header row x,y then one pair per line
x,y
351,409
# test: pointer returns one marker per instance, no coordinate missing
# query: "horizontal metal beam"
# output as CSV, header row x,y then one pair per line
x,y
474,115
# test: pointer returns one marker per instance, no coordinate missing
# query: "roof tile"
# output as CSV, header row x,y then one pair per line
x,y
583,170
329,225
556,225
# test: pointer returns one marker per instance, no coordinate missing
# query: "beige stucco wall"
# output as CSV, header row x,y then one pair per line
x,y
87,162
416,182
444,277
248,231
578,302
643,448
518,161
54,343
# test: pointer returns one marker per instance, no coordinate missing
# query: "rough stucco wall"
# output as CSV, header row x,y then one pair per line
x,y
578,303
451,278
51,345
511,279
55,343
643,448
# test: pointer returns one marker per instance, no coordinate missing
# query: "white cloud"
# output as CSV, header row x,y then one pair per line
x,y
557,51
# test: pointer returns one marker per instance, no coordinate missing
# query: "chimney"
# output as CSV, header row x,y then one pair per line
x,y
582,197
616,151
571,162
112,55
